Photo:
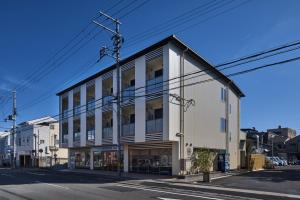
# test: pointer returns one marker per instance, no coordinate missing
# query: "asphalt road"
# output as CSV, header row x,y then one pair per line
x,y
42,184
282,179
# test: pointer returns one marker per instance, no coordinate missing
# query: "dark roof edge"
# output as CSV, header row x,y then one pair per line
x,y
162,42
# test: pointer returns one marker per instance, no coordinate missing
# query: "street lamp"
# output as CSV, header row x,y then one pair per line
x,y
272,137
257,143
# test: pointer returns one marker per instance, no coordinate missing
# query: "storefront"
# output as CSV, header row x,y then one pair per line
x,y
106,158
80,158
151,161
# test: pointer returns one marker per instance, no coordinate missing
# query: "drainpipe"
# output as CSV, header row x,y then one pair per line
x,y
181,125
227,116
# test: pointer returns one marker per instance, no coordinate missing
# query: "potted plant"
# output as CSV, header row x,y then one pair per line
x,y
202,161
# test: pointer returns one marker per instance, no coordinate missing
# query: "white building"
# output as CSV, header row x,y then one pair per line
x,y
37,143
5,148
151,115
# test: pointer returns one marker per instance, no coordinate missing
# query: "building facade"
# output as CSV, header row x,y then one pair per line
x,y
165,115
37,143
5,149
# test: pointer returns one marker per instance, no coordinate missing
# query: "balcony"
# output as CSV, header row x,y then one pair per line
x,y
128,94
65,114
76,110
154,85
107,100
76,136
154,126
65,138
128,129
91,135
107,132
90,106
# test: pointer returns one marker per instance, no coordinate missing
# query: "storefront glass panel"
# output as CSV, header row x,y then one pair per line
x,y
154,161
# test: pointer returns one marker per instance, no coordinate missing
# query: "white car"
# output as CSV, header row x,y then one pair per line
x,y
272,161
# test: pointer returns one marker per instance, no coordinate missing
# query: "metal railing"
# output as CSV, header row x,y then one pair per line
x,y
90,105
154,85
91,135
76,136
128,94
65,113
154,126
107,132
107,100
65,138
76,110
128,129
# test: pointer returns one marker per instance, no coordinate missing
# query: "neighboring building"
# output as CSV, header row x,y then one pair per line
x,y
285,132
37,143
254,141
5,148
150,114
293,149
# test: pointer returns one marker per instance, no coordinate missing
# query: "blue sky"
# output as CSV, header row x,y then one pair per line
x,y
32,31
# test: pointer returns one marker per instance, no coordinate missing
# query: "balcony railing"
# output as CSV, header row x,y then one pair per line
x,y
154,85
76,110
91,135
76,136
65,138
65,113
154,126
128,129
107,132
107,100
90,105
128,94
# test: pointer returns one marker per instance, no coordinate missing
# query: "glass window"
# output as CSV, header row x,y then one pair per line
x,y
223,125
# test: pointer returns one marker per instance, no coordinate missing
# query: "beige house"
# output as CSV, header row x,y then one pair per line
x,y
38,143
173,101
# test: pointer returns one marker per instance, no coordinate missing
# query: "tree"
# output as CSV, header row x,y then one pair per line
x,y
202,160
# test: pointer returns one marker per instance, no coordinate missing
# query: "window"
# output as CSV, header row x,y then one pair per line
x,y
158,73
132,118
132,82
42,141
230,108
223,125
223,94
52,126
158,113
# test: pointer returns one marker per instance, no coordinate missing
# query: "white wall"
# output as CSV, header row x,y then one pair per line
x,y
140,103
70,118
83,115
98,111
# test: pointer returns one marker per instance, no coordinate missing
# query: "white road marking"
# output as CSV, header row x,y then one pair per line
x,y
8,175
162,198
207,194
240,190
218,177
167,192
33,173
54,185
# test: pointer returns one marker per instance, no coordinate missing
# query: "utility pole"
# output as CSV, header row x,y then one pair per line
x,y
115,53
13,118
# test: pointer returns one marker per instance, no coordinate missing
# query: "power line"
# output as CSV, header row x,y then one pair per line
x,y
122,16
164,91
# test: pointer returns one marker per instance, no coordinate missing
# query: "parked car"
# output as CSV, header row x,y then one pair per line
x,y
285,161
272,160
281,162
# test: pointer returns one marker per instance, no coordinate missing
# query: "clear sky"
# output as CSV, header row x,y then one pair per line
x,y
32,31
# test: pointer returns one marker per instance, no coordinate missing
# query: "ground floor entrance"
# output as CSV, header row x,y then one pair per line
x,y
25,160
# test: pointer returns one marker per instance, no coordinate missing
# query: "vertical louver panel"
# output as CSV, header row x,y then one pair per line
x,y
154,54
